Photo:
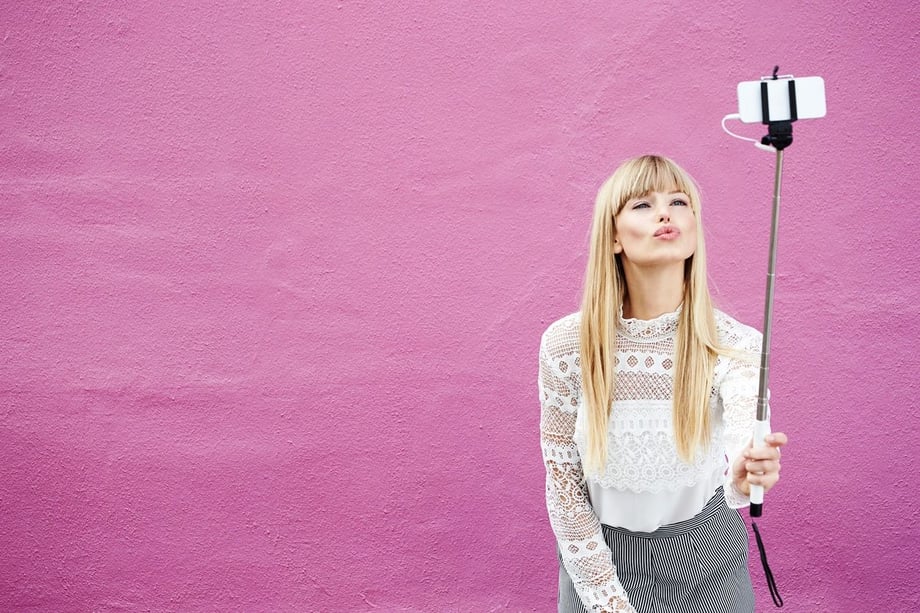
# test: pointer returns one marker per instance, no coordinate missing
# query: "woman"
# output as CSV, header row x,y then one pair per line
x,y
648,398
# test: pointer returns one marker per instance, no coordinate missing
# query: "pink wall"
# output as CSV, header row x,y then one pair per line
x,y
274,276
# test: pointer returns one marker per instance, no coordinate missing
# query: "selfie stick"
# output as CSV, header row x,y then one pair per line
x,y
779,137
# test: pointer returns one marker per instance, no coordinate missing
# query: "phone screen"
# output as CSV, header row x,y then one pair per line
x,y
809,98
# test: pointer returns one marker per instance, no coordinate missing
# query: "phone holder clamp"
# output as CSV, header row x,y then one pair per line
x,y
779,133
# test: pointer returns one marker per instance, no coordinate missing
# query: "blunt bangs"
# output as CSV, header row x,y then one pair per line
x,y
652,173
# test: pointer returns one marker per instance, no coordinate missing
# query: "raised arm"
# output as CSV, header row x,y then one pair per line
x,y
738,391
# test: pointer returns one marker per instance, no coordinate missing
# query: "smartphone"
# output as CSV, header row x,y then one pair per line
x,y
809,99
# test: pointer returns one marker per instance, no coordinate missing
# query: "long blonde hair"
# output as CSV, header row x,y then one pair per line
x,y
696,346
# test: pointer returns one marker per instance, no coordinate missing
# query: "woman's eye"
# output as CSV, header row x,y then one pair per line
x,y
679,203
640,205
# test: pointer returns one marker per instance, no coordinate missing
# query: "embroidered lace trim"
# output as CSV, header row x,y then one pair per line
x,y
640,329
642,452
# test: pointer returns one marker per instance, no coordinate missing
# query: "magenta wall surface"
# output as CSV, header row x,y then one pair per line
x,y
274,276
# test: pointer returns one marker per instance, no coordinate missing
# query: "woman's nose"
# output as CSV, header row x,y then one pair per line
x,y
664,215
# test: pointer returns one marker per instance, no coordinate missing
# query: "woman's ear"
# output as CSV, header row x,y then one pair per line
x,y
617,247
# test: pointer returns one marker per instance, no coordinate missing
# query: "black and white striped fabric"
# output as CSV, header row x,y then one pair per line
x,y
694,566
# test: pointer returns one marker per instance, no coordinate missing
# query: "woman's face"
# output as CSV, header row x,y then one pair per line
x,y
656,229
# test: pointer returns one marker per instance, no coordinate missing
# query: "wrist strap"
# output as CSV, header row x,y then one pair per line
x,y
771,582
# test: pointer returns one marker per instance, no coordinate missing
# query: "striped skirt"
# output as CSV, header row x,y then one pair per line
x,y
694,566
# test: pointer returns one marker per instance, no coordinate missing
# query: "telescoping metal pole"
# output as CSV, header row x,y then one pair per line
x,y
762,425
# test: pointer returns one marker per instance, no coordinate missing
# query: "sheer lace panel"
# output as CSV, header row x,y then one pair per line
x,y
584,552
642,449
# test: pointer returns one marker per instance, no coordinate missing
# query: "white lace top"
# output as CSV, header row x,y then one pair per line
x,y
646,484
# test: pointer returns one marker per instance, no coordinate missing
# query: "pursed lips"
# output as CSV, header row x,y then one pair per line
x,y
667,232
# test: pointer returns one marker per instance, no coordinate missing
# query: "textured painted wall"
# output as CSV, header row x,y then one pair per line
x,y
274,276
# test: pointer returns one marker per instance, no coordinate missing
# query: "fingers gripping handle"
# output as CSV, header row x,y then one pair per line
x,y
761,430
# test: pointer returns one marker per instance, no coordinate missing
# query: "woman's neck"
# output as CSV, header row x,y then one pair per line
x,y
653,292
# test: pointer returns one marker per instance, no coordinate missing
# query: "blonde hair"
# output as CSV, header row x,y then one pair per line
x,y
696,346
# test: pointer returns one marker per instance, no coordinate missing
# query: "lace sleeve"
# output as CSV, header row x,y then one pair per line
x,y
578,531
739,402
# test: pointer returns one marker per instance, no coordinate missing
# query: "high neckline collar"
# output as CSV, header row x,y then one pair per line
x,y
646,329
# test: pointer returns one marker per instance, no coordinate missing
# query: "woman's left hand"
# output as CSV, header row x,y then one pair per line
x,y
759,466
